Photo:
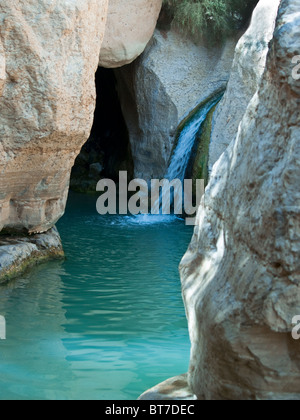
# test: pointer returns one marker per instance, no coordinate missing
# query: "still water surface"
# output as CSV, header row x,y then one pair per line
x,y
108,322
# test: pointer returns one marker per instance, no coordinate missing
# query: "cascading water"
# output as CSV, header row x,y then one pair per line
x,y
186,141
160,209
183,150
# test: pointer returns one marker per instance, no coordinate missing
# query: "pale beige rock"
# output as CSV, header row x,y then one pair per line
x,y
248,67
159,90
176,388
47,104
2,68
130,26
241,274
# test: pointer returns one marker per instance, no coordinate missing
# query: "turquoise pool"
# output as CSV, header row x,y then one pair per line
x,y
108,322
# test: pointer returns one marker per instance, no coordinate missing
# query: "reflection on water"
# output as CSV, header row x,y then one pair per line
x,y
108,322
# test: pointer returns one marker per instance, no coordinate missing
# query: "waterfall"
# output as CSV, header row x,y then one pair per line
x,y
184,148
161,202
186,141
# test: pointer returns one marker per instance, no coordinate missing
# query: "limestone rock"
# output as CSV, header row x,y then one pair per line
x,y
176,388
240,276
47,104
2,68
248,67
17,253
161,88
130,26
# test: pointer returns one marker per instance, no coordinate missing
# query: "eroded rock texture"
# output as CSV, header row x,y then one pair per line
x,y
130,26
176,388
19,253
241,274
248,66
49,53
2,68
161,87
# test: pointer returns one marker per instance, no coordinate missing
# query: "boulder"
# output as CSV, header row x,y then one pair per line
x,y
47,104
130,26
19,253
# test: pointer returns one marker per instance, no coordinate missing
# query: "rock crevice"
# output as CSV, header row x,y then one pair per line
x,y
130,26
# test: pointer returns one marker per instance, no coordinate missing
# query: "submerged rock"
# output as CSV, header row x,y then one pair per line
x,y
240,276
19,253
176,388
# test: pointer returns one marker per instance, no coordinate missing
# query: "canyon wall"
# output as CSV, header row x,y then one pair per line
x,y
130,26
49,53
240,275
161,88
248,66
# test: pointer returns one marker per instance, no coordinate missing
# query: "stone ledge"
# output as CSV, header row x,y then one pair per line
x,y
176,388
19,253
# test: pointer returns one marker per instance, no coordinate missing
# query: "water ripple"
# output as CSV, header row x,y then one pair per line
x,y
107,323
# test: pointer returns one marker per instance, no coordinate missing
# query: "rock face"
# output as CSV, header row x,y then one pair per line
x,y
176,388
107,151
47,104
248,67
2,68
240,276
130,26
161,87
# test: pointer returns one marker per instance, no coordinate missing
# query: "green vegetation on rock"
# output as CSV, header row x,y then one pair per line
x,y
200,168
210,19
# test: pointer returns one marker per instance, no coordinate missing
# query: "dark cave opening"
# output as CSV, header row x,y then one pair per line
x,y
107,151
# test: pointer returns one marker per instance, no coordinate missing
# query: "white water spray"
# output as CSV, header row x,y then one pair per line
x,y
183,150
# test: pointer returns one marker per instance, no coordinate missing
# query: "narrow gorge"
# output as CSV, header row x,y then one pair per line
x,y
93,305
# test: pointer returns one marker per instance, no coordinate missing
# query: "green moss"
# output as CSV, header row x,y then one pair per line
x,y
210,19
200,167
188,118
20,266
